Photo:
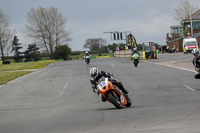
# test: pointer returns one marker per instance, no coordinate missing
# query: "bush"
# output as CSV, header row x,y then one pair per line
x,y
62,52
76,52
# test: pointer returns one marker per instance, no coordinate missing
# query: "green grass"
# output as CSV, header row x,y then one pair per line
x,y
26,65
9,72
8,76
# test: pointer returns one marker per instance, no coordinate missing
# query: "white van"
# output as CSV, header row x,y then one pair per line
x,y
189,43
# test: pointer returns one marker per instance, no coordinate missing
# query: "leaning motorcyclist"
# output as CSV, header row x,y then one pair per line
x,y
96,75
196,64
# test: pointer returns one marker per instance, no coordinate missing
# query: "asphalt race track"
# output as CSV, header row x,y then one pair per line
x,y
59,99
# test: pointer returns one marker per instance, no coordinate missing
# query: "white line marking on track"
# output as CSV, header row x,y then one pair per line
x,y
66,84
189,88
113,66
61,93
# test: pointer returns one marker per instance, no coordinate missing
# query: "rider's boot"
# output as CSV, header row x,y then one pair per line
x,y
122,88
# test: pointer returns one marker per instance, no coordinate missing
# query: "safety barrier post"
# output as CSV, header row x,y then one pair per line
x,y
143,53
157,53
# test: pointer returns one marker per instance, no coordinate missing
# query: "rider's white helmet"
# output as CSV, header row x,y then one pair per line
x,y
94,72
195,51
86,52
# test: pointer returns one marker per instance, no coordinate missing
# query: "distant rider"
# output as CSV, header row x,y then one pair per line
x,y
135,51
87,54
96,75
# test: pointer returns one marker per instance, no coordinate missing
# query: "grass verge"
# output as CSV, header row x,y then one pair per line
x,y
10,71
25,65
8,76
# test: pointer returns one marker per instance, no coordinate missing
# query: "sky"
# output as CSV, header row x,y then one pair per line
x,y
147,20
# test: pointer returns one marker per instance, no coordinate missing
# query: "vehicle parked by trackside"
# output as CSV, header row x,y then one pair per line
x,y
189,43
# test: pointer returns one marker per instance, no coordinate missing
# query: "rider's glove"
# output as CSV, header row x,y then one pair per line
x,y
96,91
111,76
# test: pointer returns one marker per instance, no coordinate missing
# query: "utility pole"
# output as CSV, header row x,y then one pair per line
x,y
191,21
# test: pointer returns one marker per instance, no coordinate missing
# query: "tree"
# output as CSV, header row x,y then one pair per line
x,y
5,34
104,49
47,26
32,53
62,52
16,47
94,44
140,47
184,10
112,47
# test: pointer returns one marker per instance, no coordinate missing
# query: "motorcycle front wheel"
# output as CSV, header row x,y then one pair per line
x,y
135,63
115,100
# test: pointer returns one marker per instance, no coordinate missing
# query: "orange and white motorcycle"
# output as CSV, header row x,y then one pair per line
x,y
113,94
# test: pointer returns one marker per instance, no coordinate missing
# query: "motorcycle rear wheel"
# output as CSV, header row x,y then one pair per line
x,y
115,100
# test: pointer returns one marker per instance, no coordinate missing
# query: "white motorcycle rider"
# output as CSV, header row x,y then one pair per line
x,y
87,57
196,62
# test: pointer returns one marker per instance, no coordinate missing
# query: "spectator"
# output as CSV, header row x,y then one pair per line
x,y
119,47
167,50
162,49
129,46
174,48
